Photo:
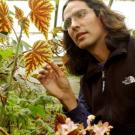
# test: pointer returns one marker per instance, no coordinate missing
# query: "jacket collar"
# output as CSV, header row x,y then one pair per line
x,y
118,49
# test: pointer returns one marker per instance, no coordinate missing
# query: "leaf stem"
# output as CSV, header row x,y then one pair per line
x,y
15,58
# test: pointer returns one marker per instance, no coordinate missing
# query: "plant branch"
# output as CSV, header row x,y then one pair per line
x,y
16,54
15,59
110,3
2,131
15,34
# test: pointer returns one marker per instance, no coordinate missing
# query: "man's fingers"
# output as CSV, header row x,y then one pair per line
x,y
44,72
56,69
40,77
47,67
54,66
50,71
43,79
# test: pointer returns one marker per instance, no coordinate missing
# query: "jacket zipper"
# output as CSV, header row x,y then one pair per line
x,y
103,80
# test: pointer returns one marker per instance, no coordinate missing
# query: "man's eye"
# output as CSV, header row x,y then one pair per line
x,y
67,23
81,14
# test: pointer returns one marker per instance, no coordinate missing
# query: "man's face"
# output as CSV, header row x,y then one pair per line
x,y
82,24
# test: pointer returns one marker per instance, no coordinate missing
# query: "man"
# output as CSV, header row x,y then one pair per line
x,y
99,48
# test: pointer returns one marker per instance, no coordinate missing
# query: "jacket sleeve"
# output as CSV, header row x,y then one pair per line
x,y
81,112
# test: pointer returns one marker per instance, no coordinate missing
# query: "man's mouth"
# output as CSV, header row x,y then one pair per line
x,y
80,36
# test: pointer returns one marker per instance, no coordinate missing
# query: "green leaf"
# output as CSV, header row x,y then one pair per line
x,y
25,45
50,131
25,111
37,110
43,99
6,53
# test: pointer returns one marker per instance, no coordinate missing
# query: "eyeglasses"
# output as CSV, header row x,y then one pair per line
x,y
78,15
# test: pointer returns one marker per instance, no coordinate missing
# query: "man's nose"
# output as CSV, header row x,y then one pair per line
x,y
74,23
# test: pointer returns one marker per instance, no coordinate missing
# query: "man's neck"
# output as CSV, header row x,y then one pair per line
x,y
100,52
101,55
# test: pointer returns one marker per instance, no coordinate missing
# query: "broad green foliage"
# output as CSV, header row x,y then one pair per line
x,y
6,53
29,112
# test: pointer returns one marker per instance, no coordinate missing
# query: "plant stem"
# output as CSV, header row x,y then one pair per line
x,y
15,59
56,13
2,131
110,3
15,34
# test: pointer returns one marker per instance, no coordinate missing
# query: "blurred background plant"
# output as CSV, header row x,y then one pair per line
x,y
65,126
25,107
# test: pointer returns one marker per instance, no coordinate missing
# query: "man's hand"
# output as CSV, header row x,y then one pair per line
x,y
55,82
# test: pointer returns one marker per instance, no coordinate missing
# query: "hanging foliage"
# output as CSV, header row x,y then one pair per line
x,y
18,13
23,21
5,19
40,53
41,14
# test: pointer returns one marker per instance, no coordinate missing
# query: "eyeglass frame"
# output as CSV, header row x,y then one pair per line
x,y
80,14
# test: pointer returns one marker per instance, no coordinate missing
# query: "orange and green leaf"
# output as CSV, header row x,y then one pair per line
x,y
41,14
56,30
23,21
5,19
3,8
26,23
19,14
40,53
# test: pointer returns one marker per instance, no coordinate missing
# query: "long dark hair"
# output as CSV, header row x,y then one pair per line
x,y
78,59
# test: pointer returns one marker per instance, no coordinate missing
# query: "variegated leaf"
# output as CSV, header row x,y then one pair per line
x,y
60,119
25,25
41,14
56,30
3,8
5,19
23,21
75,132
40,53
19,14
